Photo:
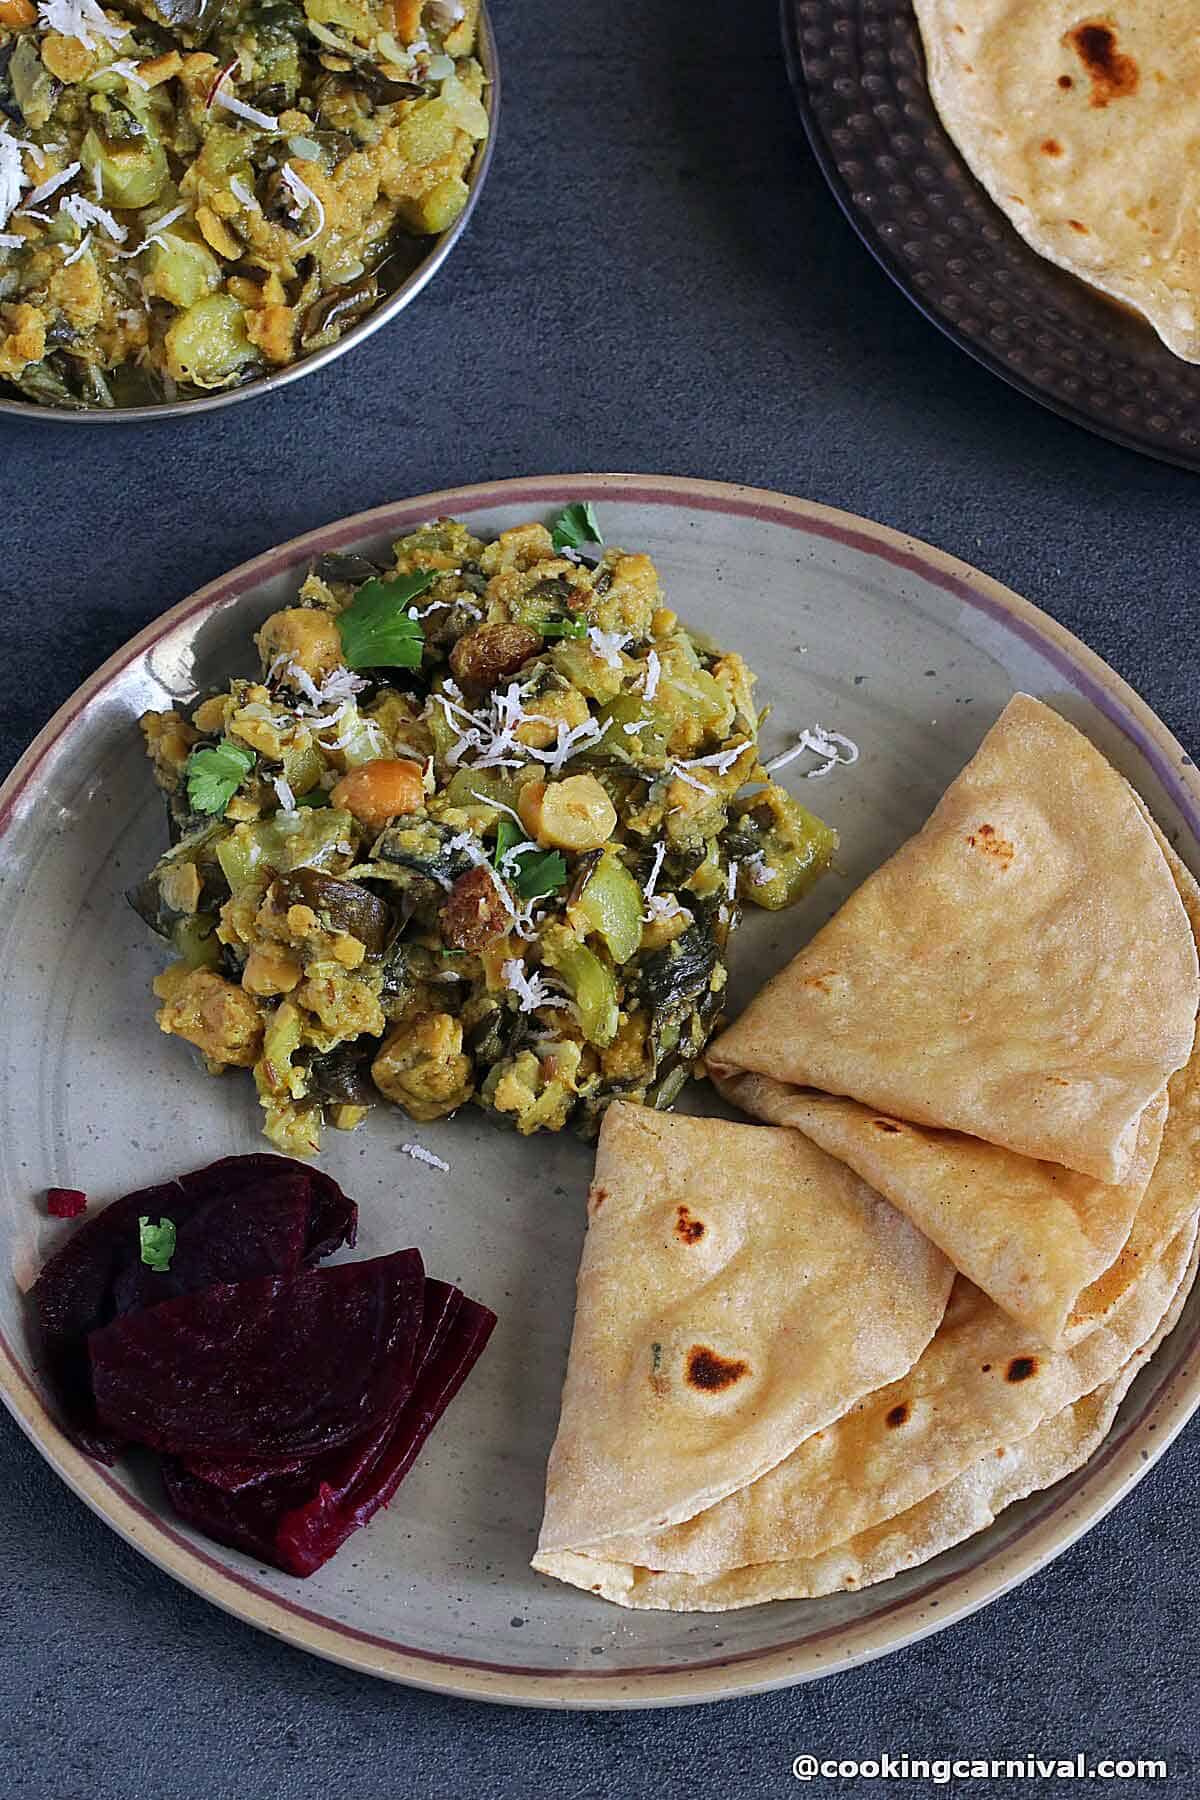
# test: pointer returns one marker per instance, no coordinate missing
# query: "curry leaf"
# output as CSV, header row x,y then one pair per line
x,y
215,775
375,629
157,1243
576,526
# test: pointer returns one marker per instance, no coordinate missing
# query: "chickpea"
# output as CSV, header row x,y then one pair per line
x,y
379,791
575,814
306,636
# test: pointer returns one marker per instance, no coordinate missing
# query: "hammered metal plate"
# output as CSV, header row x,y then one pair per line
x,y
858,73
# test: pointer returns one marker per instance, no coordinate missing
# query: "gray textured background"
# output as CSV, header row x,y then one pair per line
x,y
655,280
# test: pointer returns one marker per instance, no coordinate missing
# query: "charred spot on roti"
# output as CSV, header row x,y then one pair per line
x,y
1051,147
886,1125
1113,75
899,1415
688,1227
1078,225
712,1373
986,1367
1021,1368
1064,82
599,1196
987,840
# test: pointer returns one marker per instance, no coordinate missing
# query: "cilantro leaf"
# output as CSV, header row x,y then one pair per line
x,y
157,1243
565,628
535,873
316,797
215,775
540,874
508,833
576,526
375,629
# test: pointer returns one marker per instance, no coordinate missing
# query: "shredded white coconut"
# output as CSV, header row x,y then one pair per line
x,y
83,245
240,191
760,872
420,1154
702,787
304,197
13,179
826,744
85,213
44,190
284,794
720,760
80,19
531,990
660,853
131,72
608,645
570,740
9,240
651,677
731,881
240,110
636,726
154,234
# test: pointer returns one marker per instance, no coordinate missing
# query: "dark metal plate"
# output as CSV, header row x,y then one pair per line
x,y
858,73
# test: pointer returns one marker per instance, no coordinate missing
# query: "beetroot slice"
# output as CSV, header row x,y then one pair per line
x,y
298,1521
309,1535
340,1468
265,1370
247,1209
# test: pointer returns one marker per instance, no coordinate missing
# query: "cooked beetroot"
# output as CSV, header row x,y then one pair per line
x,y
268,1369
308,1536
298,1520
253,1215
65,1203
439,1304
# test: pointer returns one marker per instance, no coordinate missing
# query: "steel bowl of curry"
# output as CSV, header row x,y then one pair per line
x,y
201,200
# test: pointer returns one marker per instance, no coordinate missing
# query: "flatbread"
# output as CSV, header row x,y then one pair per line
x,y
1083,128
1022,970
1032,1235
983,1382
738,1290
965,1506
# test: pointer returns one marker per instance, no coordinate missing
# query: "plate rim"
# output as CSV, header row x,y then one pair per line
x,y
789,25
1084,1498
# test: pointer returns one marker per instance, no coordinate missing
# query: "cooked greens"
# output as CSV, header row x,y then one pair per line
x,y
194,194
462,855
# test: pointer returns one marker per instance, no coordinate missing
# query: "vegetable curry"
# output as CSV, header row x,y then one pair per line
x,y
195,192
478,831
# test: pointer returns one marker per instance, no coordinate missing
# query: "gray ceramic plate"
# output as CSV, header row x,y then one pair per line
x,y
907,651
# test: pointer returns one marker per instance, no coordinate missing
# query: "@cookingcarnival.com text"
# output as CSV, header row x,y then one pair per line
x,y
941,1770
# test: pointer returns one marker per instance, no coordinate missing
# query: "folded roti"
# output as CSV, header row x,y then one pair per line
x,y
1082,127
983,1382
1022,970
1032,1235
738,1290
963,1507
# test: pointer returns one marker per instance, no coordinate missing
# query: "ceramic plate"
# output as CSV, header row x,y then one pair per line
x,y
858,72
851,626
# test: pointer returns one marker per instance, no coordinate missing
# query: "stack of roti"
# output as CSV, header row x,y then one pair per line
x,y
812,1352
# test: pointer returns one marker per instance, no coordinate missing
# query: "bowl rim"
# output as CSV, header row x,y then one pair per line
x,y
1042,1533
379,316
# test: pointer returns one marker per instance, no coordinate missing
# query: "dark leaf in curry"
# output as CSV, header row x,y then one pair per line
x,y
342,1074
327,317
336,566
420,847
675,985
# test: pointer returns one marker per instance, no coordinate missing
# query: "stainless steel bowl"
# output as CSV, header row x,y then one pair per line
x,y
387,309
